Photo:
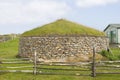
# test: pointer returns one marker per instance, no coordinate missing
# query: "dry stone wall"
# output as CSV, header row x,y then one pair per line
x,y
4,38
60,47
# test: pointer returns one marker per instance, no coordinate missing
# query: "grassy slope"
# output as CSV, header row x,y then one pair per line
x,y
63,27
9,50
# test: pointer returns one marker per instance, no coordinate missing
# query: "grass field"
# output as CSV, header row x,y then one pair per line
x,y
24,76
10,49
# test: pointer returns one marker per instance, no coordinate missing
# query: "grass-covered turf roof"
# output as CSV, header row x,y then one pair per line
x,y
63,28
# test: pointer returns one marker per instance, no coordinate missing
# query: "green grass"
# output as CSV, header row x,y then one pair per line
x,y
24,76
9,49
28,76
114,54
61,28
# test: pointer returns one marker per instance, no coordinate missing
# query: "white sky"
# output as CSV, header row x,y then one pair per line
x,y
17,16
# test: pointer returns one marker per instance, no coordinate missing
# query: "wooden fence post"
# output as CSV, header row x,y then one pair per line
x,y
35,63
93,63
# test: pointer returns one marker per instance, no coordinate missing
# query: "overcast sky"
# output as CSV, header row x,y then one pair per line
x,y
18,16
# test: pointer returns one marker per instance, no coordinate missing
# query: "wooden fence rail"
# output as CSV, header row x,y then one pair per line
x,y
36,67
17,67
25,71
17,62
67,68
14,59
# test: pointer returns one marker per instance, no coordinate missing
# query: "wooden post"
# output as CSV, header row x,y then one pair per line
x,y
93,64
35,63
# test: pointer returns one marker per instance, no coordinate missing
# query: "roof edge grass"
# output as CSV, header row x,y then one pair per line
x,y
63,27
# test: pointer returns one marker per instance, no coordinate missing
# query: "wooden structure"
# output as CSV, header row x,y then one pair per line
x,y
61,68
113,32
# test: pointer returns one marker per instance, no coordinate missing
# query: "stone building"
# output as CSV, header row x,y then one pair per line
x,y
60,40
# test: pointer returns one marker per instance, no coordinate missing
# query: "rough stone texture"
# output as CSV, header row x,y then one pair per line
x,y
4,38
59,48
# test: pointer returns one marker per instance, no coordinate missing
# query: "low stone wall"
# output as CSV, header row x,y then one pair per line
x,y
4,38
60,47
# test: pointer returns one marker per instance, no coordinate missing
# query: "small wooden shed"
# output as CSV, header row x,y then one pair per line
x,y
113,33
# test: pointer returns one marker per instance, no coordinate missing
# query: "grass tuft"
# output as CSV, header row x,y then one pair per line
x,y
111,56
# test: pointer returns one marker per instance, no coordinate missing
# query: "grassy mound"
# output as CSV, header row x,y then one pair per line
x,y
62,28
